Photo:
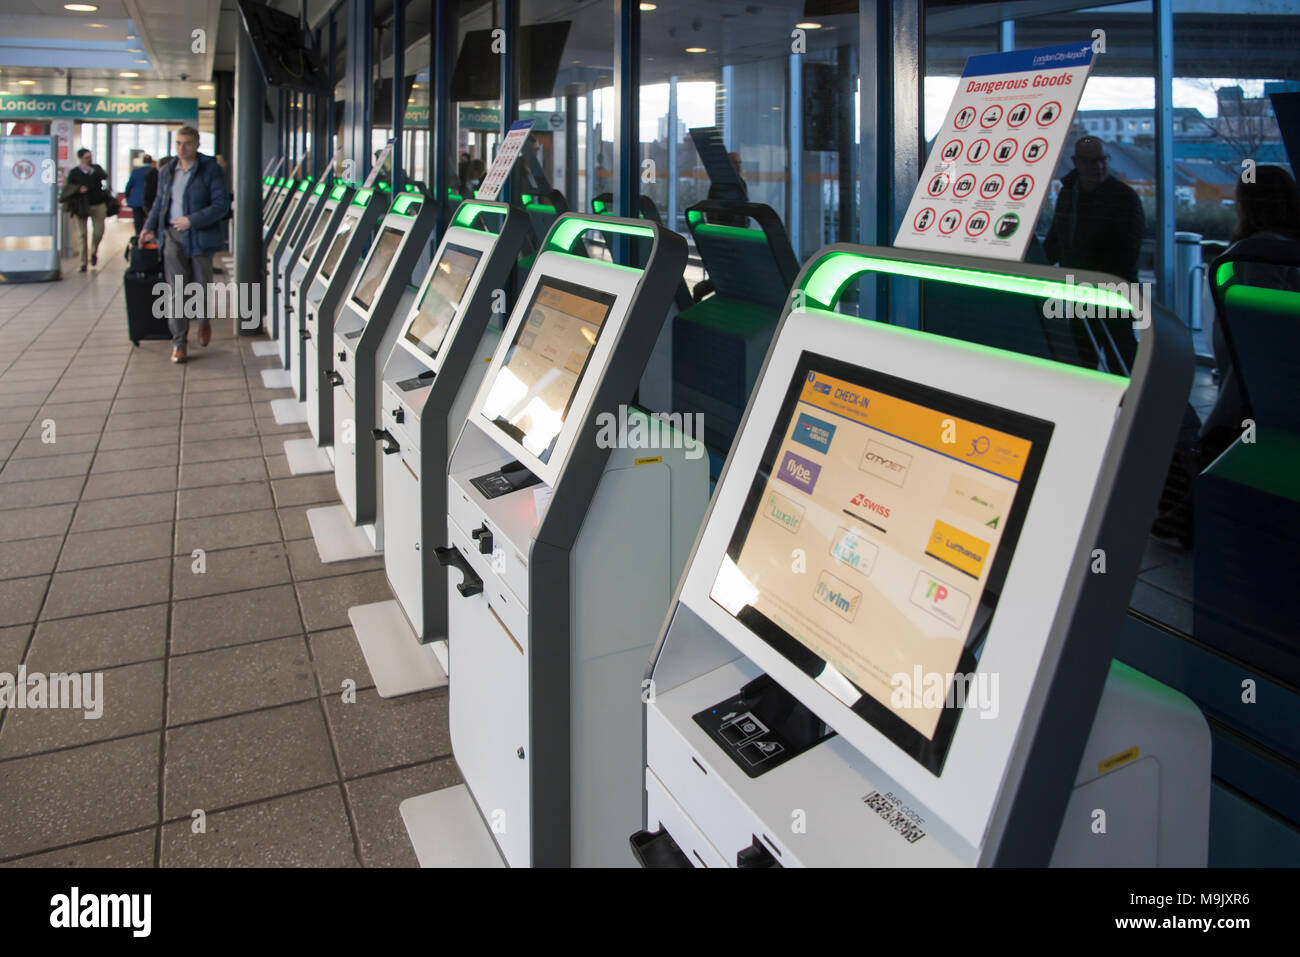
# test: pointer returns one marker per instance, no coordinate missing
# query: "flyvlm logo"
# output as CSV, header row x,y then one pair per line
x,y
814,433
74,910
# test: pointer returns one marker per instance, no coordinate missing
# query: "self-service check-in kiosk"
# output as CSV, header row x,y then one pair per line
x,y
299,272
364,333
569,516
279,243
893,641
432,373
283,262
277,207
319,299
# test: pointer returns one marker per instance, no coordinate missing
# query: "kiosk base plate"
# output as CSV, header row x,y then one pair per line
x,y
446,830
305,457
397,661
288,411
337,539
266,348
277,379
439,648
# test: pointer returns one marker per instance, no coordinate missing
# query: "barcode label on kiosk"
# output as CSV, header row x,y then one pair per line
x,y
895,815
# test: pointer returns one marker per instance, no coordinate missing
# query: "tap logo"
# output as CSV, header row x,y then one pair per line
x,y
940,599
798,471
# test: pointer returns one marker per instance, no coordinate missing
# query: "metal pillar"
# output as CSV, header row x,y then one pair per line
x,y
1164,120
358,115
246,163
442,112
670,214
794,132
513,188
627,112
1006,36
399,93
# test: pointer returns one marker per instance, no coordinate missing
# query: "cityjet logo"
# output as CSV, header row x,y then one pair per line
x,y
1067,307
75,910
214,300
36,691
934,689
653,430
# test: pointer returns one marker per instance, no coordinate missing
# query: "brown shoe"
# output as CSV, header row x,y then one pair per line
x,y
178,355
205,333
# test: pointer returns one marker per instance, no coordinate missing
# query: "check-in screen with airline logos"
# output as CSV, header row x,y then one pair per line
x,y
875,538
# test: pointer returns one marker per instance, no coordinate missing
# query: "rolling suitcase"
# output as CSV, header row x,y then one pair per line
x,y
144,270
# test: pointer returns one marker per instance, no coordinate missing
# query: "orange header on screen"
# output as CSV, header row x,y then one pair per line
x,y
969,442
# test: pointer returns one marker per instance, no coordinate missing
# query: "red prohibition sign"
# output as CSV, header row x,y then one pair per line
x,y
1019,115
1048,113
1022,186
938,183
924,219
965,183
1005,151
964,118
977,223
951,219
975,152
989,118
951,150
1035,149
991,186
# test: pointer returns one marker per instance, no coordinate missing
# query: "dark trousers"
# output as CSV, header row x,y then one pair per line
x,y
139,214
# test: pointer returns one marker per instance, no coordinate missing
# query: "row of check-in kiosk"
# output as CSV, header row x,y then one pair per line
x,y
881,634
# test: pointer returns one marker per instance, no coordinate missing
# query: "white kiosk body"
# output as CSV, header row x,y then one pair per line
x,y
276,206
283,264
305,265
364,332
278,245
321,299
432,374
893,633
569,517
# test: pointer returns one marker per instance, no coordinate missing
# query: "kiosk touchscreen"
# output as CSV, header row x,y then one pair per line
x,y
364,332
279,206
299,271
569,516
338,255
276,247
432,373
894,618
288,256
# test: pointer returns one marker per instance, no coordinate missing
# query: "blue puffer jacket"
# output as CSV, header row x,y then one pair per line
x,y
206,202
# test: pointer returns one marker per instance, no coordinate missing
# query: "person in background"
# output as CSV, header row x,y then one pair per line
x,y
192,202
135,190
1268,208
1097,225
87,186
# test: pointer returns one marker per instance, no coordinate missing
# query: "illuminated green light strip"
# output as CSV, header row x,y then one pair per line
x,y
730,232
598,207
540,208
827,279
470,210
1259,297
320,188
1224,275
304,186
564,234
405,202
363,197
526,198
693,216
338,191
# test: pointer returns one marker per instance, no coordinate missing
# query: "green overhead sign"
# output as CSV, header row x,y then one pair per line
x,y
483,118
39,106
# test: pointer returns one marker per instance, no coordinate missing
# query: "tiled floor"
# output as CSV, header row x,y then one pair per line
x,y
222,690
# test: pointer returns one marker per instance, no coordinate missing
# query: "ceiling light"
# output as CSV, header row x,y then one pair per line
x,y
205,86
80,7
136,86
697,50
163,96
5,93
128,75
808,26
99,25
141,61
26,82
212,102
100,89
647,7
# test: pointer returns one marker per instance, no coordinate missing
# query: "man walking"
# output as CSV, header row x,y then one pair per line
x,y
192,200
139,195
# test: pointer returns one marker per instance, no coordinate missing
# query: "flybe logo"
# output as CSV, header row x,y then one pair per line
x,y
799,472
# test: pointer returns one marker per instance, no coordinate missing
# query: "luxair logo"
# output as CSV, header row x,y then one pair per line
x,y
107,911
